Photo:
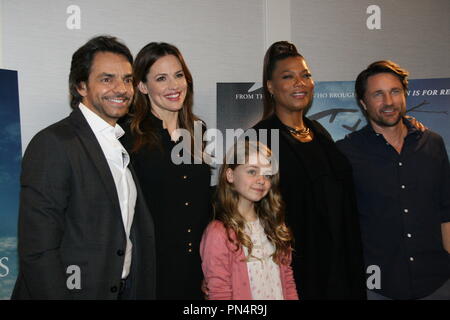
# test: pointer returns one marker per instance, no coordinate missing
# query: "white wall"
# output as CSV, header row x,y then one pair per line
x,y
335,40
222,41
277,22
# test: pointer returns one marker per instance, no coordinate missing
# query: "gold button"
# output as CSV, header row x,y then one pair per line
x,y
186,203
189,230
190,250
185,177
190,244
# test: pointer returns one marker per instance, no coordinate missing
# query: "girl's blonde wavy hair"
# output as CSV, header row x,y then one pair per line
x,y
270,209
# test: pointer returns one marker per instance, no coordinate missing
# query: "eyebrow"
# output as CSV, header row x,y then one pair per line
x,y
288,70
112,75
390,89
165,73
105,74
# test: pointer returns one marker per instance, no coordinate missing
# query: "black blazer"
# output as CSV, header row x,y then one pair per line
x,y
178,196
70,215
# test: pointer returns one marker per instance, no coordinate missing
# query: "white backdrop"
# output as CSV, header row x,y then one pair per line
x,y
222,41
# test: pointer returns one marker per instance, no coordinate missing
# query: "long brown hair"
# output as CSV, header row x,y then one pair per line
x,y
277,51
144,131
270,209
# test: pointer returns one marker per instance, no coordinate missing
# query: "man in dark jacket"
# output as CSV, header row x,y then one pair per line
x,y
84,229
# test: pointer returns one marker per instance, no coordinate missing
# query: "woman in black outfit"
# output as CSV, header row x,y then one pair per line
x,y
177,194
316,183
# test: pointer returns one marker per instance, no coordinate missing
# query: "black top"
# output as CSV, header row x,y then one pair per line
x,y
317,188
402,199
179,198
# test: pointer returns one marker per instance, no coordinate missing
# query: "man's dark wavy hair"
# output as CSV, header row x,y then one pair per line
x,y
80,67
382,66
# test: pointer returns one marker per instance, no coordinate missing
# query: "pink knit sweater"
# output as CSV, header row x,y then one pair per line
x,y
226,271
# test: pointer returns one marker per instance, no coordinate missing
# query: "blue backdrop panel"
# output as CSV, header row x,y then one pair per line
x,y
11,153
239,105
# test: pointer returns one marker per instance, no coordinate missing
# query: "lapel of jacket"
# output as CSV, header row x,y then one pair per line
x,y
94,151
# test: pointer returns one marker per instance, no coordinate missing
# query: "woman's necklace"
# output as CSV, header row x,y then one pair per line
x,y
303,135
299,132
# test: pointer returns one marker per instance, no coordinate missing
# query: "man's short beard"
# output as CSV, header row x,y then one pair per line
x,y
382,123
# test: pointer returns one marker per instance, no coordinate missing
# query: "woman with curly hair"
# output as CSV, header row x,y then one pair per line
x,y
246,251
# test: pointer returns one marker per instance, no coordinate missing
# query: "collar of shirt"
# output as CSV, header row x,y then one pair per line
x,y
157,122
97,124
163,132
412,130
110,144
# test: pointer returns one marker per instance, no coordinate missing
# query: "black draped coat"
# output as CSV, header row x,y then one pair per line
x,y
317,188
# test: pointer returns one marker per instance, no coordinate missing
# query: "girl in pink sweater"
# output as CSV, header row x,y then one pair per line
x,y
246,251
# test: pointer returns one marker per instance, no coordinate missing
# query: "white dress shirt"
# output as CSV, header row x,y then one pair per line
x,y
118,160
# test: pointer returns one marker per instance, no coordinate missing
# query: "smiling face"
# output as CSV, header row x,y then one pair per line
x,y
384,100
166,85
109,89
252,180
291,85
